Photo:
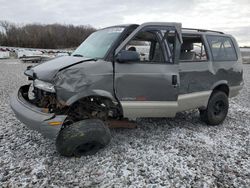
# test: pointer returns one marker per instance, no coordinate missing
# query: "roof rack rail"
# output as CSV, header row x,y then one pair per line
x,y
202,30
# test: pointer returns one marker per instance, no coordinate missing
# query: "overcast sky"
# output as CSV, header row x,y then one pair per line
x,y
230,16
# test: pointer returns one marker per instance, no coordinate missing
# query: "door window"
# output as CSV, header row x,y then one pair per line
x,y
147,45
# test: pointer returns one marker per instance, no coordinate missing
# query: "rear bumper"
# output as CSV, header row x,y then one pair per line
x,y
33,116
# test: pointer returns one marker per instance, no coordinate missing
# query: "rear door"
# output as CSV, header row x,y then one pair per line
x,y
149,87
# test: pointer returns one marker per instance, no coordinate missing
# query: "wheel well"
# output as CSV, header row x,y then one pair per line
x,y
98,107
223,87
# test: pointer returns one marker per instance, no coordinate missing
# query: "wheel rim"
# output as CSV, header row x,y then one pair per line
x,y
219,107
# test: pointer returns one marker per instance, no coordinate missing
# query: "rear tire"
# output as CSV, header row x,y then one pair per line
x,y
216,110
85,137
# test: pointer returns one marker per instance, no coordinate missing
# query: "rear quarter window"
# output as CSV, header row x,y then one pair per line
x,y
222,48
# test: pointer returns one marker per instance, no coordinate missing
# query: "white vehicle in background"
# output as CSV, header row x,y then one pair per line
x,y
62,54
4,54
28,53
33,56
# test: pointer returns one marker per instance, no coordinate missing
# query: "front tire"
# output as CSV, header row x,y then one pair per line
x,y
84,137
216,110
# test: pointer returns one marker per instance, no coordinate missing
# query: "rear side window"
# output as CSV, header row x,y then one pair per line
x,y
192,49
222,48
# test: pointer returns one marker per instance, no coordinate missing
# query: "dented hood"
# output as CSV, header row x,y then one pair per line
x,y
46,71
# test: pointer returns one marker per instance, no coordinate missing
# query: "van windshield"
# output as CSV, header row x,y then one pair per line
x,y
98,43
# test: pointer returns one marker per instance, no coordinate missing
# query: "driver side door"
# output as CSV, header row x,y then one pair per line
x,y
149,86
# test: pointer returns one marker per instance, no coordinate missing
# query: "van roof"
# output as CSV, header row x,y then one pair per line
x,y
201,30
184,30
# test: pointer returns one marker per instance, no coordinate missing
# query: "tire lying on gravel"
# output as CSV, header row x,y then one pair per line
x,y
216,110
85,137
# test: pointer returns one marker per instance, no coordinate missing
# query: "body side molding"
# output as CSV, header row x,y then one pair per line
x,y
134,109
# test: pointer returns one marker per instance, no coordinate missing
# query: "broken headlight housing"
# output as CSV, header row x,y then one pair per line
x,y
44,86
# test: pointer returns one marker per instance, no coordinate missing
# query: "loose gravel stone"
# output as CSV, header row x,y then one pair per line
x,y
161,152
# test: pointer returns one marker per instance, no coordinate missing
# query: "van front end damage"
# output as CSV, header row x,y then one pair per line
x,y
40,110
78,92
35,117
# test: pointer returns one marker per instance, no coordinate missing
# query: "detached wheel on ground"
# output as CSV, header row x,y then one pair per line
x,y
216,110
85,137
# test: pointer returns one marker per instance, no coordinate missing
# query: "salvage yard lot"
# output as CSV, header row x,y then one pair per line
x,y
162,152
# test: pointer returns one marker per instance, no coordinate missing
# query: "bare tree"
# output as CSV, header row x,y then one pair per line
x,y
43,36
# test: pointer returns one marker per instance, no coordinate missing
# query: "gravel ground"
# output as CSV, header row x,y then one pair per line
x,y
180,152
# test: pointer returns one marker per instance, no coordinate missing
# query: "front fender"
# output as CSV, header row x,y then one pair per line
x,y
82,80
100,93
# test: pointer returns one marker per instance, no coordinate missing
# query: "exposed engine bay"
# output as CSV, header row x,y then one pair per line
x,y
86,108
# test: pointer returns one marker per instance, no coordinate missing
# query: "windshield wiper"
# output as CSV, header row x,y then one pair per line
x,y
78,55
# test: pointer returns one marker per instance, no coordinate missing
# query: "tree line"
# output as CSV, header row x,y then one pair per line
x,y
50,36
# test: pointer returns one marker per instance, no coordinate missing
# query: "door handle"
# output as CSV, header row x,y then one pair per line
x,y
174,80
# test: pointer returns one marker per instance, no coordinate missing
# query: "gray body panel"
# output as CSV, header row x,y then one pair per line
x,y
146,90
203,76
206,75
46,71
147,82
92,78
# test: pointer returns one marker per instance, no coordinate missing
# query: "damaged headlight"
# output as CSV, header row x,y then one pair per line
x,y
44,86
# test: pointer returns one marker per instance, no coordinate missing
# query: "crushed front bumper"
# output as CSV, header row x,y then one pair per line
x,y
33,116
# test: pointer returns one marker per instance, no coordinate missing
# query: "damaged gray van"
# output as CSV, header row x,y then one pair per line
x,y
126,72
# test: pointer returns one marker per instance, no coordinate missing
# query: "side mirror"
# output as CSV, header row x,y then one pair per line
x,y
127,56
